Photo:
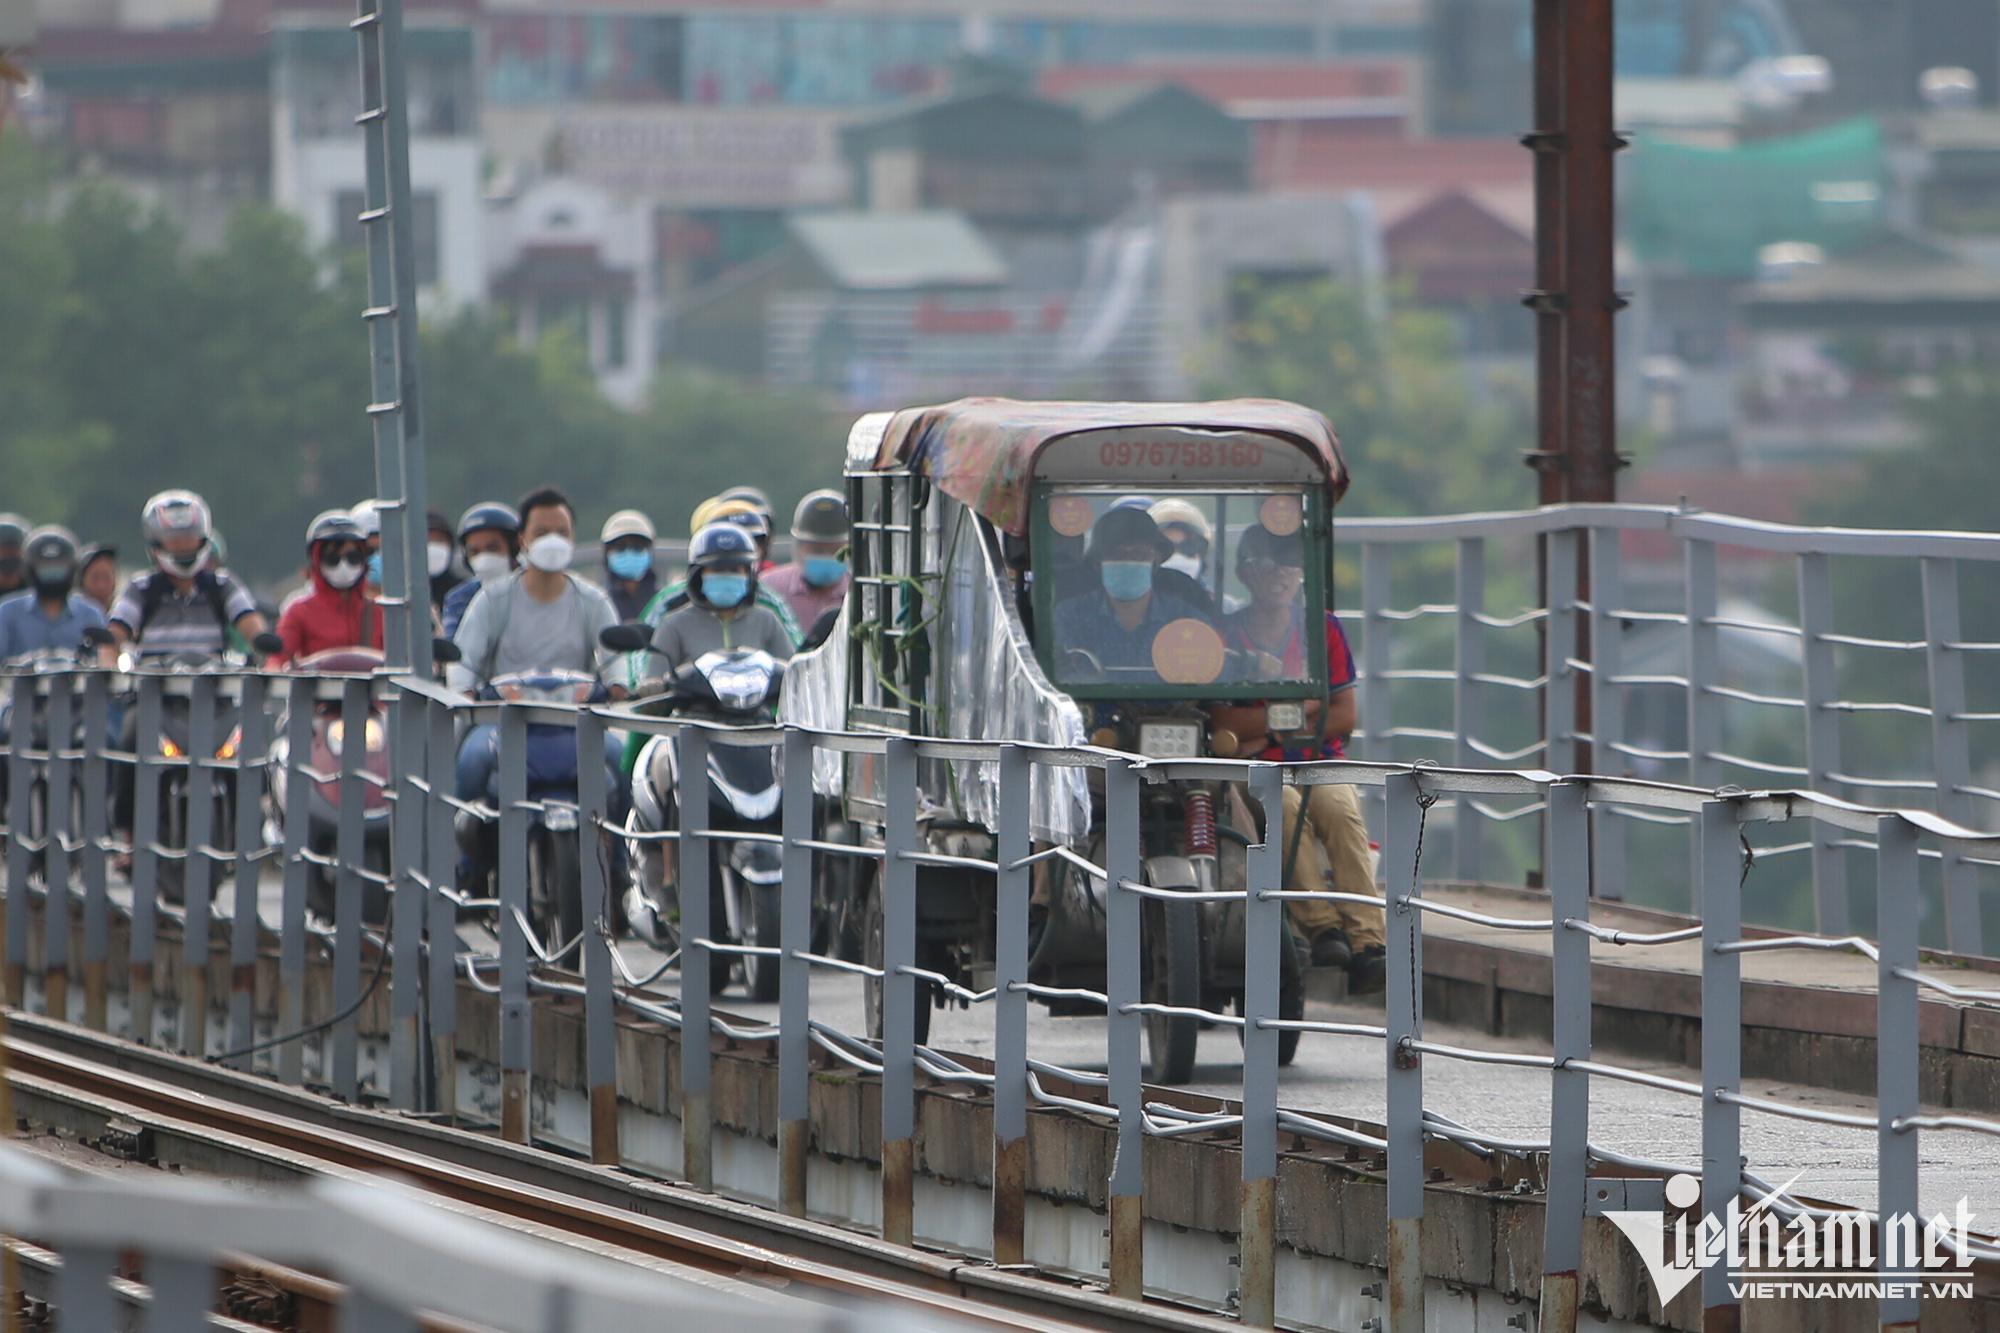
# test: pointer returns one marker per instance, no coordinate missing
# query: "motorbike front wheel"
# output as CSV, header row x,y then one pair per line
x,y
761,971
555,893
1172,977
872,951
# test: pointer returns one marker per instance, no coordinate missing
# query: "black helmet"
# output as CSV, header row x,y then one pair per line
x,y
490,516
52,559
13,530
334,525
722,544
820,517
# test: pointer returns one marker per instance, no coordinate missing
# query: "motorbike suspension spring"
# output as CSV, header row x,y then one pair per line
x,y
1200,813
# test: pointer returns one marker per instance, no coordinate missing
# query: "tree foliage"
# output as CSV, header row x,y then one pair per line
x,y
131,365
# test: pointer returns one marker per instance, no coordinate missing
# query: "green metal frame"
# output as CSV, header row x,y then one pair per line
x,y
1319,536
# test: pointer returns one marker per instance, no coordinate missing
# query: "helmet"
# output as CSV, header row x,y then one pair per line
x,y
1128,526
368,514
760,501
490,516
721,544
820,517
1182,514
700,517
177,513
333,525
745,515
51,544
627,523
13,530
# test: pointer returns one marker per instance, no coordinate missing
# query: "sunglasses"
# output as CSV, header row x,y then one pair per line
x,y
334,557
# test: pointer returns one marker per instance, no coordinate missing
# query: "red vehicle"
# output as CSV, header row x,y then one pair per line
x,y
330,737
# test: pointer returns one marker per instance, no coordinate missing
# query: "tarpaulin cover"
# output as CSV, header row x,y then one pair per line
x,y
981,451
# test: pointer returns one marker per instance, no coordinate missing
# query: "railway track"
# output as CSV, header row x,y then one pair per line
x,y
165,1108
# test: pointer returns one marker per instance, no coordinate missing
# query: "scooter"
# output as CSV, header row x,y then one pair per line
x,y
330,737
555,850
45,661
744,793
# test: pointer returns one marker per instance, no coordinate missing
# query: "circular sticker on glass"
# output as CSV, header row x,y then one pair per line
x,y
1070,515
1188,652
1282,515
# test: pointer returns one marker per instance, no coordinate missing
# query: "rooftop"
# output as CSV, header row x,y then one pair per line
x,y
899,251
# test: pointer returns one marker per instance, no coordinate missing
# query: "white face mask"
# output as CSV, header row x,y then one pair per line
x,y
551,552
437,556
1189,565
342,576
490,566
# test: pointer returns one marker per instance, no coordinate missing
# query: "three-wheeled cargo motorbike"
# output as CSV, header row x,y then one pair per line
x,y
1071,574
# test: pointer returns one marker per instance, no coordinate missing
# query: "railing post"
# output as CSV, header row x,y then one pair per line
x,y
406,899
441,859
1263,936
1403,999
516,1015
1951,751
1010,1010
83,1290
697,1123
1377,690
96,829
593,956
244,928
1704,668
1124,1027
1569,1090
350,852
1468,717
795,975
301,703
1821,680
1896,1056
1607,705
899,992
1721,862
55,852
20,857
198,869
148,772
1559,650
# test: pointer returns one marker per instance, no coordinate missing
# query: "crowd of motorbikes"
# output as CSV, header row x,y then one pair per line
x,y
735,687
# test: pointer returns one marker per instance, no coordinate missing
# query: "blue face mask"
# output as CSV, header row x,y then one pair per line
x,y
823,571
632,564
375,570
725,590
1126,580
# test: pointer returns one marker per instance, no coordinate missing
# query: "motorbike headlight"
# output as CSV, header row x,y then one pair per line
x,y
1285,716
168,748
371,735
1170,740
228,750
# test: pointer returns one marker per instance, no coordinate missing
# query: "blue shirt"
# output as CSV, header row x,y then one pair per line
x,y
1088,622
25,628
455,603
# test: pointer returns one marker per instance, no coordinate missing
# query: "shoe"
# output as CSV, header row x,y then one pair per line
x,y
1365,971
1331,949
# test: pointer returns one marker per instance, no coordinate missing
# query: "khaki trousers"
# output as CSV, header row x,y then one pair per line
x,y
1335,838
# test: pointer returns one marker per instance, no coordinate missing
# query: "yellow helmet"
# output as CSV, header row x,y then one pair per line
x,y
703,514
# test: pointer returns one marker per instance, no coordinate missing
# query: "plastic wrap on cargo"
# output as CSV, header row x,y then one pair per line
x,y
993,689
815,695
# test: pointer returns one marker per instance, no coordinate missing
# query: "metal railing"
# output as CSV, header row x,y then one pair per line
x,y
382,1242
60,858
1711,654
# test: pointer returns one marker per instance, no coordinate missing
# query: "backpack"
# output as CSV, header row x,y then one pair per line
x,y
157,587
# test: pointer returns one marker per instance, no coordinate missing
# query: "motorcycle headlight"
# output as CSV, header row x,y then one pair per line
x,y
229,747
1285,716
371,735
168,748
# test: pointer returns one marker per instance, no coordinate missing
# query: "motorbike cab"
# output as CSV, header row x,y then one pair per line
x,y
980,607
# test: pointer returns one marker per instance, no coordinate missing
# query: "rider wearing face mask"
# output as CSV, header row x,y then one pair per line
x,y
13,563
1117,622
627,543
50,615
437,558
333,609
721,611
542,616
815,583
489,536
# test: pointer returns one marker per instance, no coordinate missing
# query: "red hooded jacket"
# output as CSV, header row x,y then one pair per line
x,y
320,616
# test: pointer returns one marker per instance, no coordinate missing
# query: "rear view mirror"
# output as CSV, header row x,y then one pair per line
x,y
445,651
268,644
96,636
626,638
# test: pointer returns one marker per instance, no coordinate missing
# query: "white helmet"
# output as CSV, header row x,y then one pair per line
x,y
174,513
